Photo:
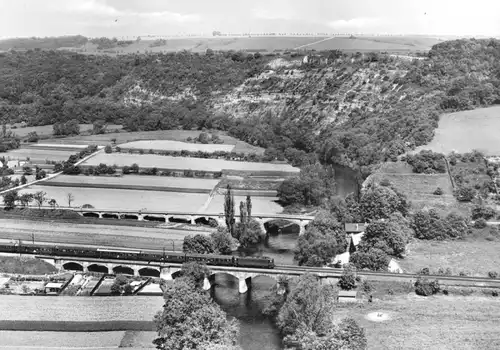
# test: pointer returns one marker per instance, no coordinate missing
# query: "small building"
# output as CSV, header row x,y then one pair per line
x,y
355,227
347,296
315,59
53,288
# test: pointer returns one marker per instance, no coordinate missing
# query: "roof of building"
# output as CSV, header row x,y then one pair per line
x,y
355,227
356,238
348,293
53,285
342,258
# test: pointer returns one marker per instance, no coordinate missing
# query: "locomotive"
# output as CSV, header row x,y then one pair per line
x,y
138,255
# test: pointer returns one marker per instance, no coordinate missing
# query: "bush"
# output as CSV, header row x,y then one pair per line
x,y
427,162
438,191
108,149
493,274
464,193
425,271
494,293
425,287
374,259
385,182
482,212
348,279
480,223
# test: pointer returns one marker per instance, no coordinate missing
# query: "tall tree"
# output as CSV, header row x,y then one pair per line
x,y
249,208
70,197
40,198
243,221
229,210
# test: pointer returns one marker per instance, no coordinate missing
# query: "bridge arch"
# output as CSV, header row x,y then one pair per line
x,y
130,217
276,227
154,218
110,216
149,272
179,220
206,220
91,215
97,268
123,270
73,266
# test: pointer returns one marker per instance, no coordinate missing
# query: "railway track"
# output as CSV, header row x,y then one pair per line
x,y
464,281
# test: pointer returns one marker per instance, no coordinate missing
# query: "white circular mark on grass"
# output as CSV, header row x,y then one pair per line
x,y
377,317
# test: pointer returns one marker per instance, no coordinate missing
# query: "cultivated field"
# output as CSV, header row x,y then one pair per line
x,y
124,199
418,187
47,130
157,183
464,131
473,255
37,155
181,163
437,323
167,145
269,44
56,147
173,135
261,205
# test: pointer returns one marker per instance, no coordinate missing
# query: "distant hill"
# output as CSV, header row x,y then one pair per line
x,y
263,44
357,109
49,43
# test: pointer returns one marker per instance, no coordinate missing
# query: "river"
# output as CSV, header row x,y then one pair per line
x,y
256,331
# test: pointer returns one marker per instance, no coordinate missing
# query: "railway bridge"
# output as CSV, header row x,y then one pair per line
x,y
190,217
169,271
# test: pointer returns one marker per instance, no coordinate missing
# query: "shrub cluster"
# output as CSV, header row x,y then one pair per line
x,y
425,287
430,225
427,162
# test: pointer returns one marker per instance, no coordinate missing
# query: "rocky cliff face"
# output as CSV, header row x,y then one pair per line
x,y
323,95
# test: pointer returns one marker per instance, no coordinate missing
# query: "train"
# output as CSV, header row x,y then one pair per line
x,y
137,255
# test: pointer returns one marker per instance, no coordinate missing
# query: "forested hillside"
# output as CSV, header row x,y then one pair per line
x,y
355,109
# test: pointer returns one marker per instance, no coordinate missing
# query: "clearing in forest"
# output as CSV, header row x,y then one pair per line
x,y
465,131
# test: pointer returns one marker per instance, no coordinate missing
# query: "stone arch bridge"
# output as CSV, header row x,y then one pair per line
x,y
170,271
190,217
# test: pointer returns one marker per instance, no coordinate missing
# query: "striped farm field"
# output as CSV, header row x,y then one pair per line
x,y
168,145
123,199
173,135
194,164
37,155
136,182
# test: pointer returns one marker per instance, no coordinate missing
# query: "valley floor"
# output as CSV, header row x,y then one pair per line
x,y
438,323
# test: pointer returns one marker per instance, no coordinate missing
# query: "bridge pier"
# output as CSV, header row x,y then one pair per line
x,y
206,284
167,272
243,287
302,226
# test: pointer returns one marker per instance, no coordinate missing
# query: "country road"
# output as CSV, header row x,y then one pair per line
x,y
98,235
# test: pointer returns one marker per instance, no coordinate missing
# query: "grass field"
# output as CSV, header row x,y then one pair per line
x,y
167,145
437,323
261,205
37,155
47,130
270,44
474,255
11,264
464,131
195,164
173,135
124,199
419,187
163,183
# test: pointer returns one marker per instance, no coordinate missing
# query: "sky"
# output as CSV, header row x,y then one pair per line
x,y
121,18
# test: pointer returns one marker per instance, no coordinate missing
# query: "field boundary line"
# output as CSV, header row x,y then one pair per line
x,y
316,42
209,199
50,177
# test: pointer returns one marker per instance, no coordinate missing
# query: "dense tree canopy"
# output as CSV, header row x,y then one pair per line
x,y
379,202
191,320
324,239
